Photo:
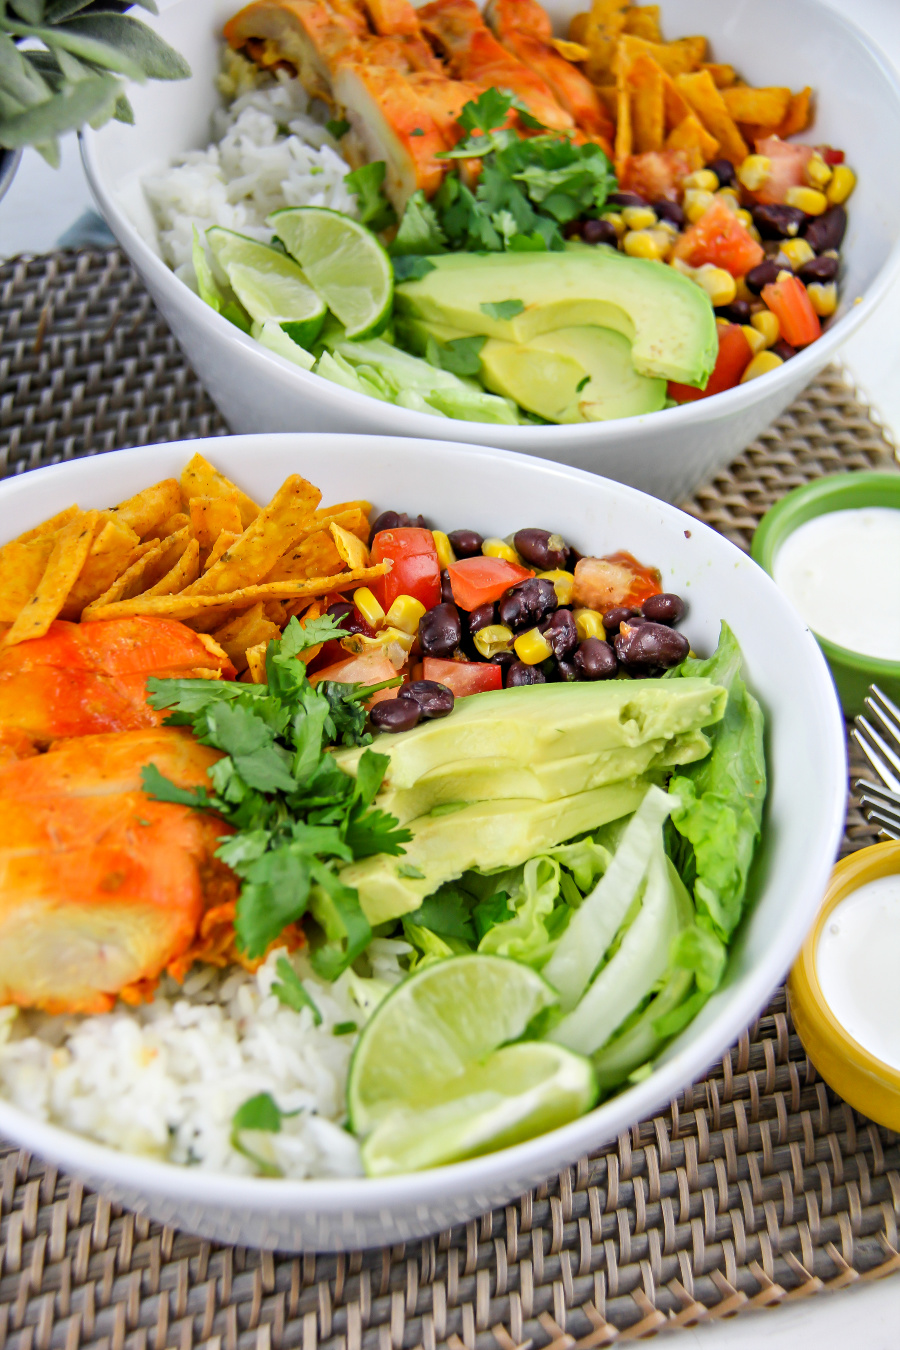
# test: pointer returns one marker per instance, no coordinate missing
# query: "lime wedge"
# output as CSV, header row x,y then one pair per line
x,y
268,284
343,261
434,1080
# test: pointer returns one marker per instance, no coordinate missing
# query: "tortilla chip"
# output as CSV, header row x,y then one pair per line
x,y
189,605
181,573
602,29
643,21
22,564
256,662
224,541
171,525
146,510
211,515
645,81
578,28
764,107
315,556
351,548
676,58
622,150
709,105
114,548
255,553
723,76
676,105
352,516
277,612
70,550
200,479
48,527
798,114
609,97
692,137
251,628
570,51
155,560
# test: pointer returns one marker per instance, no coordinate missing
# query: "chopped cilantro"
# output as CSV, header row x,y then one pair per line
x,y
407,870
258,1113
410,268
502,309
585,380
292,992
461,355
374,208
344,1028
417,131
337,127
419,230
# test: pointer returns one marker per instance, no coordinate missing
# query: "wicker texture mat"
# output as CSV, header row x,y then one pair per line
x,y
756,1186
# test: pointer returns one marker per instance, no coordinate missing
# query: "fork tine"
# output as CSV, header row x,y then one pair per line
x,y
891,799
890,707
873,806
889,827
885,714
878,753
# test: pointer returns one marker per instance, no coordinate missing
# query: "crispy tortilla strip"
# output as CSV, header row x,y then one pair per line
x,y
114,548
623,143
599,32
609,97
326,513
709,105
277,612
200,479
256,663
148,509
798,114
188,605
274,530
646,83
677,106
224,541
249,629
70,550
155,559
171,525
765,107
570,51
22,564
315,556
352,549
352,516
692,137
643,21
181,573
211,515
723,76
676,58
48,527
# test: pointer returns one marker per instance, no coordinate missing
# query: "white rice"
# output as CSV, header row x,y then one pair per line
x,y
267,152
165,1079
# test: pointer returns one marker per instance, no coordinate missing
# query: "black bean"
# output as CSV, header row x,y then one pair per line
x,y
670,211
724,171
524,605
395,520
737,312
503,659
519,673
760,276
482,616
777,221
826,231
599,232
349,617
541,549
561,633
819,269
595,660
433,699
440,630
568,671
395,714
446,588
465,543
783,349
625,199
666,608
614,617
650,646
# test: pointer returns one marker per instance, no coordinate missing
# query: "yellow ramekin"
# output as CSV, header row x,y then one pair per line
x,y
868,1084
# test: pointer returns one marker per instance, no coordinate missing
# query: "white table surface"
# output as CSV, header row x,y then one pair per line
x,y
43,203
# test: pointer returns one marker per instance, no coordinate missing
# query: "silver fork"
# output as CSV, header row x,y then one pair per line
x,y
878,737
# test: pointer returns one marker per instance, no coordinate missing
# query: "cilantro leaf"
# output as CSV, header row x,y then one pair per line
x,y
502,309
337,127
409,267
585,380
374,208
347,930
485,113
258,1113
461,355
344,1028
292,992
446,912
162,789
419,231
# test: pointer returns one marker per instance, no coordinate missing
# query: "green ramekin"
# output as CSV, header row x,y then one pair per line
x,y
852,672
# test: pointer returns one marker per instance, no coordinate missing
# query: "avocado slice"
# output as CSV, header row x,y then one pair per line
x,y
582,374
666,317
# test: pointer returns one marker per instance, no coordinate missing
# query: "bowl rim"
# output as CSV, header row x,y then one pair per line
x,y
410,423
820,497
545,1153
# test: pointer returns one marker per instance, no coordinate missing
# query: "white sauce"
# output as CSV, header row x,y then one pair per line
x,y
842,572
858,963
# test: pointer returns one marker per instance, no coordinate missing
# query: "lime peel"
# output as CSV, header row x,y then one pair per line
x,y
343,261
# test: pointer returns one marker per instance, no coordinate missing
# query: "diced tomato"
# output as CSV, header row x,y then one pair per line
x,y
370,668
617,579
792,307
733,359
656,175
830,155
416,570
463,677
478,581
788,162
718,237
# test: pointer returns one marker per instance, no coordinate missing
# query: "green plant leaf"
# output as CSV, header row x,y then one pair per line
x,y
29,11
18,77
123,111
146,50
66,111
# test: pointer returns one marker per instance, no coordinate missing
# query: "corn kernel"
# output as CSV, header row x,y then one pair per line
x,y
817,173
753,171
681,266
807,199
718,284
797,252
761,364
728,197
742,291
767,326
722,323
667,227
823,298
589,623
368,607
843,181
755,340
754,233
644,244
784,275
444,548
532,647
615,220
703,179
563,584
390,642
494,638
745,218
696,203
499,548
405,613
638,217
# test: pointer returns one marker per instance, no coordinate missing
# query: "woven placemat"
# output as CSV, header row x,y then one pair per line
x,y
756,1186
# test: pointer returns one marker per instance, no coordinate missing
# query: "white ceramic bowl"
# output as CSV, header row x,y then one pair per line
x,y
459,485
668,454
